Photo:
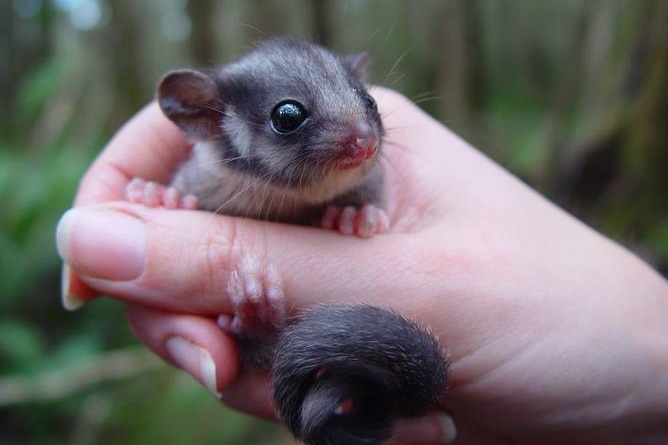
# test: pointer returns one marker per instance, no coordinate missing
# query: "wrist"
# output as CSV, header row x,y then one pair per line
x,y
655,409
648,400
633,308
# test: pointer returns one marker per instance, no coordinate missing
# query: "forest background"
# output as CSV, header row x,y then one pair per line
x,y
569,95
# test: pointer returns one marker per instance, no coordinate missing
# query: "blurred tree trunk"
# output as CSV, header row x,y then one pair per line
x,y
645,152
321,17
474,70
624,166
567,96
126,65
25,44
8,77
269,18
202,35
460,74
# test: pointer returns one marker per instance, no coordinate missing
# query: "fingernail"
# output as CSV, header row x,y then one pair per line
x,y
448,429
435,428
70,301
74,292
195,360
102,243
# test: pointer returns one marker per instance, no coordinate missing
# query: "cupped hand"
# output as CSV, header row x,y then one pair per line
x,y
553,332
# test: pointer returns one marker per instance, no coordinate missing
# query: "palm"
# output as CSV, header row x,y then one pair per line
x,y
494,259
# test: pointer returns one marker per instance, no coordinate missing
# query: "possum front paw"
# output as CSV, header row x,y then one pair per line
x,y
256,292
365,222
152,194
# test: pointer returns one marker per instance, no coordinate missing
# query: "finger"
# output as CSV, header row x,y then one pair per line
x,y
181,260
148,146
195,344
251,393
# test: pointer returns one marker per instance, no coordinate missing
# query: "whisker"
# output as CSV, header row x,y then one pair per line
x,y
254,28
401,57
209,107
221,161
390,31
240,192
422,94
427,99
397,78
395,144
391,161
389,113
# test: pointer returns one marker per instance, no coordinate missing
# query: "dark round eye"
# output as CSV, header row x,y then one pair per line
x,y
287,116
370,101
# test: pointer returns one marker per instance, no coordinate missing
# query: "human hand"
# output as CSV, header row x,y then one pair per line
x,y
554,332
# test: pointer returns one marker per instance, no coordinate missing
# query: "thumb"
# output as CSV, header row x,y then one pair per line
x,y
181,260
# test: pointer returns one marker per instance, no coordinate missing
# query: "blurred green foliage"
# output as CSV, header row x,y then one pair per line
x,y
568,95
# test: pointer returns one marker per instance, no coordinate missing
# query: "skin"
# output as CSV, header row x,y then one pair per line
x,y
555,333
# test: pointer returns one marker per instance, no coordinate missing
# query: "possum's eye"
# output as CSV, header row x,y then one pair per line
x,y
287,116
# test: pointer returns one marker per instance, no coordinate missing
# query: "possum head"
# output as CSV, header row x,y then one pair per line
x,y
290,112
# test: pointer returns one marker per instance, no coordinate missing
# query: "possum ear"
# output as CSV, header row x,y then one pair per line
x,y
358,64
190,98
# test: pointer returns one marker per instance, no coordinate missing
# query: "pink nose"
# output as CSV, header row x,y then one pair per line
x,y
363,141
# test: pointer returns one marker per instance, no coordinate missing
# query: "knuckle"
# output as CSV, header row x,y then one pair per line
x,y
218,254
229,244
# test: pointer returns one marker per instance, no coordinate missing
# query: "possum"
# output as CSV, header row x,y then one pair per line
x,y
289,133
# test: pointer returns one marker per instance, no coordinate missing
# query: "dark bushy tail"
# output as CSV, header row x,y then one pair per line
x,y
343,374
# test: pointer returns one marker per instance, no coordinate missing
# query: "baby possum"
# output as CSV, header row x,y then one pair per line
x,y
286,133
289,133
